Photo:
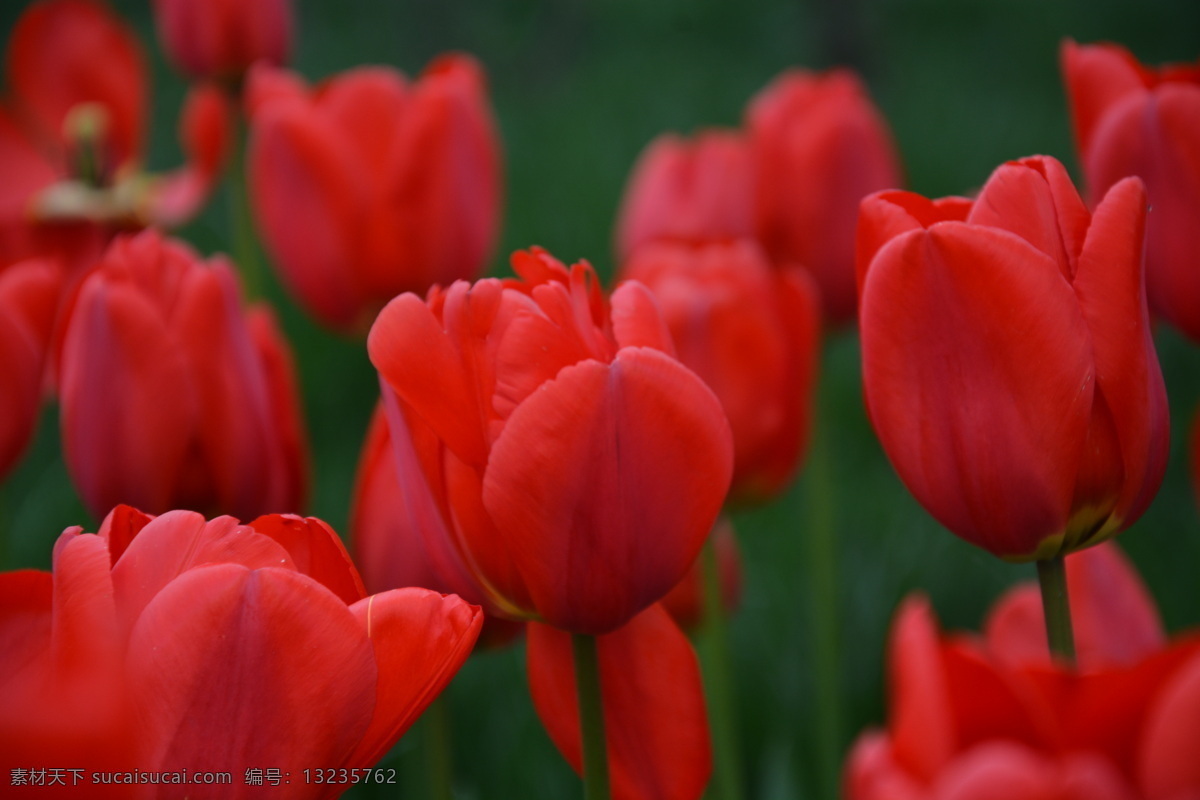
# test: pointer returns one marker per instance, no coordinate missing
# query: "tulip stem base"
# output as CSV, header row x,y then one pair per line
x,y
727,771
1052,576
439,760
591,717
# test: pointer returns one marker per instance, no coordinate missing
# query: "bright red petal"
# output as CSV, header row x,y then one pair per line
x,y
316,551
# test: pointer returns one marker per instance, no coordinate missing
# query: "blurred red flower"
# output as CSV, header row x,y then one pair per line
x,y
220,39
368,186
972,718
1008,365
175,643
1135,120
819,146
173,395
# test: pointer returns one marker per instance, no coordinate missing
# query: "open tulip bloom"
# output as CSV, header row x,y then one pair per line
x,y
178,645
1008,365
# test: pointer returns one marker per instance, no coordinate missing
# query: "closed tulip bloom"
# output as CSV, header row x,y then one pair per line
x,y
819,146
975,717
691,190
28,295
578,466
1008,365
172,394
220,39
369,186
751,333
233,646
1135,120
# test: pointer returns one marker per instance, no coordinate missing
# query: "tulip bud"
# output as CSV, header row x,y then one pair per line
x,y
220,39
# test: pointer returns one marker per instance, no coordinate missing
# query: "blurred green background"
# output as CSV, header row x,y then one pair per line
x,y
579,88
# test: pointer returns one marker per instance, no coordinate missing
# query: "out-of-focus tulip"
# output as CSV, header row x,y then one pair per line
x,y
656,724
232,646
685,603
172,394
752,334
73,131
368,186
1135,120
1008,366
220,39
819,145
28,296
973,718
577,465
688,190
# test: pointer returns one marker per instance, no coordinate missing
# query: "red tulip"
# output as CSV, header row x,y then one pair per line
x,y
972,719
72,136
172,394
751,333
369,186
819,147
220,39
1007,361
655,723
28,294
1134,120
576,465
688,190
232,646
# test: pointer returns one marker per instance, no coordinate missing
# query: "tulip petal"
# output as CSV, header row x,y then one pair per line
x,y
883,216
421,638
637,320
921,724
84,620
1003,771
871,772
316,551
237,668
605,483
1169,767
977,373
120,526
1097,76
655,721
25,620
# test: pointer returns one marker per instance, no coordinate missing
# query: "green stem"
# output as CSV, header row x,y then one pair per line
x,y
439,759
1052,575
727,768
822,578
591,718
243,242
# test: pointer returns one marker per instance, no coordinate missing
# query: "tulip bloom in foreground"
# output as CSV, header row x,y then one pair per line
x,y
577,465
172,394
232,647
1135,120
220,39
992,717
819,146
694,190
369,185
1007,361
751,333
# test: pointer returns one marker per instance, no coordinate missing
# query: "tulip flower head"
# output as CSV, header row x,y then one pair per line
x,y
233,646
1135,120
220,39
370,185
576,465
819,146
1008,366
172,394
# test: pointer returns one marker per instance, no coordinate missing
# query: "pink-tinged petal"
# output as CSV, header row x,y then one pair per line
x,y
236,668
266,84
316,551
1168,766
1116,623
421,638
872,773
84,631
120,526
637,320
920,721
1097,77
418,360
883,216
653,699
1005,771
592,463
308,206
127,408
977,373
1109,285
